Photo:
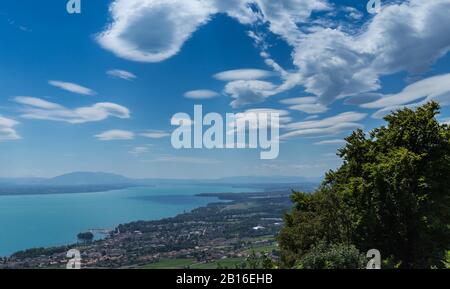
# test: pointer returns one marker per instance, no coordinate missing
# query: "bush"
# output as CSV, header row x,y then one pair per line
x,y
335,256
447,260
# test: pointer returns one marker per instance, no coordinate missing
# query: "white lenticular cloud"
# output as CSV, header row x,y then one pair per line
x,y
243,74
7,131
155,30
115,134
322,131
330,61
308,105
249,91
407,36
432,88
331,142
37,102
310,108
201,94
299,100
346,117
155,134
36,108
72,87
436,88
122,74
252,116
343,122
152,30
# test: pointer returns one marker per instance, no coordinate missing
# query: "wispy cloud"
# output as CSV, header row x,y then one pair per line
x,y
180,159
353,13
115,134
446,121
331,142
14,23
139,150
122,74
201,94
36,108
7,131
435,88
308,105
311,117
299,100
155,134
72,87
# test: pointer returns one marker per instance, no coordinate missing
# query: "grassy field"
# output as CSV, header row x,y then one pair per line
x,y
228,263
262,249
263,238
170,264
240,206
193,264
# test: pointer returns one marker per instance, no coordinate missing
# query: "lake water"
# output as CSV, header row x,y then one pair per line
x,y
51,220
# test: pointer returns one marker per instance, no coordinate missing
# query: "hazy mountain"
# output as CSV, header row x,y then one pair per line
x,y
101,178
87,178
268,180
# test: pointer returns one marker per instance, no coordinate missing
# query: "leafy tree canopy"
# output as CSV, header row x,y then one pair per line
x,y
391,193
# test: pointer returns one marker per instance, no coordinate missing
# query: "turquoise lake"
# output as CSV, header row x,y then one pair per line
x,y
50,220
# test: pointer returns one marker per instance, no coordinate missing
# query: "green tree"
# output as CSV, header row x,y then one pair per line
x,y
391,193
257,261
85,237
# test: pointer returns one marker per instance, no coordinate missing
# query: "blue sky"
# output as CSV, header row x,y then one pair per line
x,y
96,91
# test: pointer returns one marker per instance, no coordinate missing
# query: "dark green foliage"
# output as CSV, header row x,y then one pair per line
x,y
335,256
255,261
391,193
446,261
85,237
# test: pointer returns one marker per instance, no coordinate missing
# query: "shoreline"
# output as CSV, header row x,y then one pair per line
x,y
64,190
219,197
227,228
105,236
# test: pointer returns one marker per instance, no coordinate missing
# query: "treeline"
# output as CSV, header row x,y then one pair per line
x,y
392,193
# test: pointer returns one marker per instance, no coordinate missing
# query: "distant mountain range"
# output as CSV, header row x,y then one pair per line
x,y
267,180
88,178
101,178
